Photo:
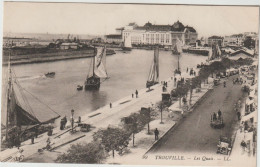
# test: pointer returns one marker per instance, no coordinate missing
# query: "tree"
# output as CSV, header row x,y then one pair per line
x,y
160,106
181,91
84,153
112,139
146,117
216,67
249,42
133,124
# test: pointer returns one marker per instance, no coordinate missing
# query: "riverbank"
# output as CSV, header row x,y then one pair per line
x,y
17,59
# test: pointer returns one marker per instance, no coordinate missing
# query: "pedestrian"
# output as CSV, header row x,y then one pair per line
x,y
219,114
214,116
132,95
187,69
166,84
62,124
50,131
79,119
72,122
65,122
156,134
238,115
36,132
32,139
175,79
194,73
110,105
136,94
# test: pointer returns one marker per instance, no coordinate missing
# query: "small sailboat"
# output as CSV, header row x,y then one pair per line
x,y
127,45
153,77
97,70
177,48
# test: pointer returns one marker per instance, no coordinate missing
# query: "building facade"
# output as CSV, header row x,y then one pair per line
x,y
215,40
233,40
165,35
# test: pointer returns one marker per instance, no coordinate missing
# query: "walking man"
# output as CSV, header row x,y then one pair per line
x,y
219,114
156,134
110,105
238,115
136,93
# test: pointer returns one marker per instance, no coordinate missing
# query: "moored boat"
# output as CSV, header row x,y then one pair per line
x,y
153,77
97,70
24,112
50,74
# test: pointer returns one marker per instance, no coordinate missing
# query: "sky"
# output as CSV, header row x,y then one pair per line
x,y
101,19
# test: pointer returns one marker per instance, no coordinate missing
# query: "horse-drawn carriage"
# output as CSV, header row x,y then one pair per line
x,y
224,145
216,121
216,82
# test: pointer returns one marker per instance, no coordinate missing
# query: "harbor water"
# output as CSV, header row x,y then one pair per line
x,y
127,72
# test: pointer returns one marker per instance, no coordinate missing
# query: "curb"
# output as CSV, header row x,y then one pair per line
x,y
155,142
178,122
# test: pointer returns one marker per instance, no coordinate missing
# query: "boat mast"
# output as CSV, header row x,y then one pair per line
x,y
94,60
8,97
178,64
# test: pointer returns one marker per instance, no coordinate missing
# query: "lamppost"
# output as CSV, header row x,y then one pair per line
x,y
72,119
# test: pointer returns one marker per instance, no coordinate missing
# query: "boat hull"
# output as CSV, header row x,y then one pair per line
x,y
175,53
50,74
92,83
194,51
150,83
126,48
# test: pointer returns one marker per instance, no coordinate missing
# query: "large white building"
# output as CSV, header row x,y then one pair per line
x,y
165,35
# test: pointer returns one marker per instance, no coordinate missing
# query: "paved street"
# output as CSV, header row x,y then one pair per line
x,y
194,134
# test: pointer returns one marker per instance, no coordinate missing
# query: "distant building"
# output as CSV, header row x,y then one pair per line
x,y
113,38
66,46
233,40
166,35
215,40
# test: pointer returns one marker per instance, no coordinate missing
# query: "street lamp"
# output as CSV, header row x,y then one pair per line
x,y
72,119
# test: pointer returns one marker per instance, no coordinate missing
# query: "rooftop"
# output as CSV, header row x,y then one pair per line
x,y
177,26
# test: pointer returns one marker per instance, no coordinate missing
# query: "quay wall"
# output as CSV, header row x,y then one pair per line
x,y
49,56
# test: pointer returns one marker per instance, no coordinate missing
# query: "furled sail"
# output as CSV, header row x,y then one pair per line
x,y
154,71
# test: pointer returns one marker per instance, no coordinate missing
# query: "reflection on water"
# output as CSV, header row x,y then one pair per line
x,y
127,72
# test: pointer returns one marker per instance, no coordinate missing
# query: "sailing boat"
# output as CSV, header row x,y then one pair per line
x,y
98,70
216,52
127,45
177,48
20,114
153,77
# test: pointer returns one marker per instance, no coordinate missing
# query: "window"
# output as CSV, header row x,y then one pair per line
x,y
167,38
157,38
162,38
